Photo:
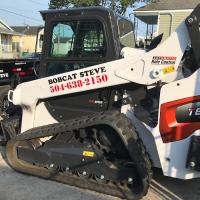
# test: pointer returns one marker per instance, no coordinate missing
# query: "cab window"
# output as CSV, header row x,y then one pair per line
x,y
126,32
63,39
78,39
90,40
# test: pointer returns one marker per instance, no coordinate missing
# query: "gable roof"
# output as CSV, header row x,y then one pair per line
x,y
26,30
5,25
7,30
169,5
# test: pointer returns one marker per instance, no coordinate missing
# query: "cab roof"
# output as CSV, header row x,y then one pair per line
x,y
76,11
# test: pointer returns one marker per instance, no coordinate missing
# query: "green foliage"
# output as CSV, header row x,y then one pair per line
x,y
84,3
58,4
119,6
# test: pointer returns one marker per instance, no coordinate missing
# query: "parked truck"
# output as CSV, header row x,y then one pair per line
x,y
15,71
12,70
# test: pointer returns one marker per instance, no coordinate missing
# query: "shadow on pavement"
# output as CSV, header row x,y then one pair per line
x,y
175,189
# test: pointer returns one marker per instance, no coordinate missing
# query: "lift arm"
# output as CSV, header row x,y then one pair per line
x,y
193,23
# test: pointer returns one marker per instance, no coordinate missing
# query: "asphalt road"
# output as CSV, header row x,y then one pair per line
x,y
16,186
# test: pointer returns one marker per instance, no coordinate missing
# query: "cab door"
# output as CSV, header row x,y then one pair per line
x,y
77,44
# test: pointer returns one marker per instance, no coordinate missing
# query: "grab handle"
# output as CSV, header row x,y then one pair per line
x,y
10,95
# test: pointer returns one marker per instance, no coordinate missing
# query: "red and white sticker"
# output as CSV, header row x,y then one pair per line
x,y
163,60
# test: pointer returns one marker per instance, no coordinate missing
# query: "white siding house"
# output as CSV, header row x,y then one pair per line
x,y
6,34
166,15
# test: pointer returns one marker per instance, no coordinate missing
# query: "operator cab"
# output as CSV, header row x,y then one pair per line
x,y
76,39
83,37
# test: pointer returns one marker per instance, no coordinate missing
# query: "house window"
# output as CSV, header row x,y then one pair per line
x,y
6,43
16,46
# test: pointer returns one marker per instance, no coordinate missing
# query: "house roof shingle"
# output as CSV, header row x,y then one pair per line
x,y
170,5
26,30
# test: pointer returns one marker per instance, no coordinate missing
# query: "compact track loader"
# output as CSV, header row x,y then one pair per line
x,y
103,112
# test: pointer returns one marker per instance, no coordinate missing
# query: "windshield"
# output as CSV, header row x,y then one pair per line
x,y
84,38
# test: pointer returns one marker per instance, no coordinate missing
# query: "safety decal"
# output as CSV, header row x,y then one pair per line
x,y
163,60
168,69
78,80
88,153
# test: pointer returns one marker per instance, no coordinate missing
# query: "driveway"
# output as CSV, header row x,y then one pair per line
x,y
16,186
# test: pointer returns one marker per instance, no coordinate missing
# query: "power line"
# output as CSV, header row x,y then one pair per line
x,y
20,10
37,3
20,15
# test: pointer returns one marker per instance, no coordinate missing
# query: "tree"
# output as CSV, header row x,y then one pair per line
x,y
120,6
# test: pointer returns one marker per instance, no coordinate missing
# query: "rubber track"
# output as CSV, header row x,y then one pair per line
x,y
121,124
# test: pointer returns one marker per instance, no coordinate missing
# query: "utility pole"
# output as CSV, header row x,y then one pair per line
x,y
113,4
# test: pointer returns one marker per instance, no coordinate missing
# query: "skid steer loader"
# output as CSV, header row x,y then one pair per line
x,y
103,112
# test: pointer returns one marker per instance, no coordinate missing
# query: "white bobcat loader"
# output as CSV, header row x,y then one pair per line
x,y
102,112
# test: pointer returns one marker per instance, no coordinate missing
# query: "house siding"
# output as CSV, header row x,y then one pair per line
x,y
6,47
168,22
6,36
164,25
178,18
26,43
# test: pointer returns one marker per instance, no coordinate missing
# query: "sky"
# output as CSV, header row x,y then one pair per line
x,y
26,12
22,12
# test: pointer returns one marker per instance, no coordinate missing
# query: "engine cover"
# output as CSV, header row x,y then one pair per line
x,y
179,119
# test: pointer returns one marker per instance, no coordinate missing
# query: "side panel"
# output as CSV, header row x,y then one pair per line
x,y
43,113
78,104
179,119
173,155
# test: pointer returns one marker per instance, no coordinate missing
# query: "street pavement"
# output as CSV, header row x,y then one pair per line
x,y
16,186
